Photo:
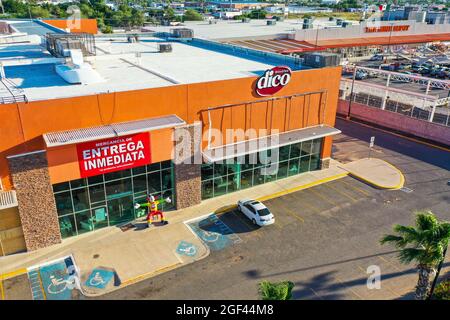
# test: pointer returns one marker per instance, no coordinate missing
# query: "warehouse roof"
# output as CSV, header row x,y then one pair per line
x,y
129,66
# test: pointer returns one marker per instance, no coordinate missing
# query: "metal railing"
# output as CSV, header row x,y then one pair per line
x,y
441,115
401,77
8,199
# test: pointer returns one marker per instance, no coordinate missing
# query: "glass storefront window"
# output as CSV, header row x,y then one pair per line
x,y
246,179
315,162
293,166
97,193
77,183
84,221
304,164
61,187
282,170
295,150
117,175
166,165
316,146
140,183
166,179
95,179
80,199
63,203
220,186
220,178
283,153
67,226
207,189
86,197
306,147
154,182
118,188
153,167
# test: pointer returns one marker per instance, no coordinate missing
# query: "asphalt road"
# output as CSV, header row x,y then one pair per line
x,y
325,237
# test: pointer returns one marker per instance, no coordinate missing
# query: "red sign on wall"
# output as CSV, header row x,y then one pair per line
x,y
114,154
273,80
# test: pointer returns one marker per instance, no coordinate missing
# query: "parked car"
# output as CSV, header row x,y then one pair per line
x,y
257,212
361,75
377,57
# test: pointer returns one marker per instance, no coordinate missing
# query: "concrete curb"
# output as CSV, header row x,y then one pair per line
x,y
154,273
396,187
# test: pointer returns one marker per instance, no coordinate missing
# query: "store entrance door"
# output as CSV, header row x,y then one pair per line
x,y
120,210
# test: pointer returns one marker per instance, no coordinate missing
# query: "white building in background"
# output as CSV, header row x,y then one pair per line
x,y
331,1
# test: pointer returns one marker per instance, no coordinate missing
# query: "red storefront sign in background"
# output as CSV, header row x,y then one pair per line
x,y
114,154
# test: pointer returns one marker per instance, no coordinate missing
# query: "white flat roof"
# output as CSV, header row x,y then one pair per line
x,y
228,29
117,63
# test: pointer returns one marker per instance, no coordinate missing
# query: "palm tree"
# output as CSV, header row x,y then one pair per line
x,y
424,244
276,291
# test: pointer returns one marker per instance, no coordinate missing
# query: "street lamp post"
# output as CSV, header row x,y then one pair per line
x,y
351,94
389,41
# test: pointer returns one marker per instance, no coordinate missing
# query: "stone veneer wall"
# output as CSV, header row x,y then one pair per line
x,y
325,163
187,160
36,203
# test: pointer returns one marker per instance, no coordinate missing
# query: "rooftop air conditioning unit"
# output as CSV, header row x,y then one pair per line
x,y
165,47
183,33
321,59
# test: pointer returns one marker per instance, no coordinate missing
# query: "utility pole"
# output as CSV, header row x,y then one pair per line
x,y
3,8
351,94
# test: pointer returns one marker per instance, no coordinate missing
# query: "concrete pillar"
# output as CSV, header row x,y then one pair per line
x,y
388,81
36,202
433,111
187,165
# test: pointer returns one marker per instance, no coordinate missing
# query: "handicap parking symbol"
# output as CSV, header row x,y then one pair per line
x,y
186,248
99,278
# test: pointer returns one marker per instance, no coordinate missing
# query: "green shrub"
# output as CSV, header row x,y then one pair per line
x,y
276,291
442,290
107,29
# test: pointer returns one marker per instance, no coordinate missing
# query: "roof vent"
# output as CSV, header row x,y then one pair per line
x,y
165,47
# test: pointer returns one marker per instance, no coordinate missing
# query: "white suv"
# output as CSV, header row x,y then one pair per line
x,y
256,212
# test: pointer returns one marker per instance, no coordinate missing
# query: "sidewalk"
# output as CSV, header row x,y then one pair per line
x,y
137,254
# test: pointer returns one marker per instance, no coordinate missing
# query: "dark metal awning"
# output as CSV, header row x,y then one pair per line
x,y
267,142
60,138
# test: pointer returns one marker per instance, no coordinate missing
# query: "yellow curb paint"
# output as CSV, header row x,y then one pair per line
x,y
401,136
301,187
12,274
149,274
2,292
396,187
42,286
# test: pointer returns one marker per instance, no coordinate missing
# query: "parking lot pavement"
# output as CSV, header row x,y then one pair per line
x,y
325,238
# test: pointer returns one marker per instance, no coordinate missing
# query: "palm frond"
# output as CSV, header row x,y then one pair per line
x,y
408,232
425,220
398,241
407,255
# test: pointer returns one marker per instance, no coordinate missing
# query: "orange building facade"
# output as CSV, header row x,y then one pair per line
x,y
75,25
42,144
